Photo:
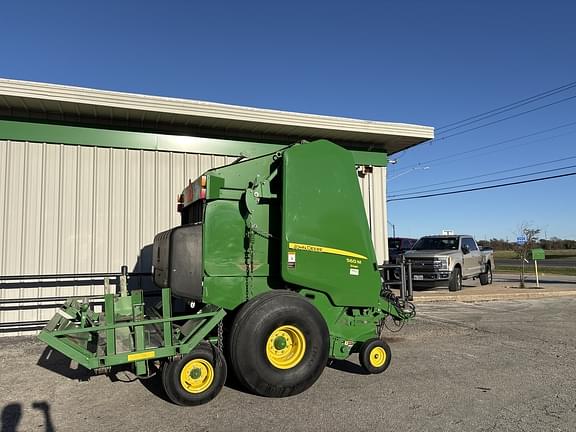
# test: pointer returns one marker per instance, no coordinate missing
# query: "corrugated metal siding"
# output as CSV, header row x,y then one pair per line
x,y
373,189
74,209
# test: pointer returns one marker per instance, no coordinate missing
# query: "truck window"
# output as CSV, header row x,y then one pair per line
x,y
407,244
470,243
437,243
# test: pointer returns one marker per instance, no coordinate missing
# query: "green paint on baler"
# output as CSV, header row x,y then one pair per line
x,y
326,241
310,234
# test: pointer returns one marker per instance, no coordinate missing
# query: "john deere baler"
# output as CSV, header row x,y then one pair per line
x,y
275,262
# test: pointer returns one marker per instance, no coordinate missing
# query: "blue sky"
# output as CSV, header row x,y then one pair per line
x,y
423,62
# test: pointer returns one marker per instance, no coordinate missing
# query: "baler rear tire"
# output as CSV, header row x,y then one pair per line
x,y
207,359
285,370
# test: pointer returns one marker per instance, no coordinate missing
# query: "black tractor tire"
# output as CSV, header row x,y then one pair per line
x,y
375,356
455,282
279,344
183,388
486,277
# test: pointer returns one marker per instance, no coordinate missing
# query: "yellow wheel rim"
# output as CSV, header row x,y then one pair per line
x,y
197,375
285,347
377,356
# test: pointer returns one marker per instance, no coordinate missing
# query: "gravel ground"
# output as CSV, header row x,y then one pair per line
x,y
497,366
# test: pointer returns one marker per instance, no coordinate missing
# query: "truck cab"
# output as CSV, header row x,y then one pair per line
x,y
397,246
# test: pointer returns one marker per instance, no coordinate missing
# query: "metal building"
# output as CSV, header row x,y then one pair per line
x,y
88,177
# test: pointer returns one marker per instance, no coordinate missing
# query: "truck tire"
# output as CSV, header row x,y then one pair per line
x,y
486,277
455,282
279,344
375,356
197,377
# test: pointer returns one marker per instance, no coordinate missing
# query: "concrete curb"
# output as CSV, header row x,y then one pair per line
x,y
470,298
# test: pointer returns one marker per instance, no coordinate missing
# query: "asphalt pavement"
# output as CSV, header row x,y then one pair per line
x,y
488,366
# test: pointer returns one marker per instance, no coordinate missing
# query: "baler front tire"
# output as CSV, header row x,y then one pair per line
x,y
197,377
279,344
375,356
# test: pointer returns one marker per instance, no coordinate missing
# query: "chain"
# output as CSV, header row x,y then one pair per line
x,y
249,257
220,342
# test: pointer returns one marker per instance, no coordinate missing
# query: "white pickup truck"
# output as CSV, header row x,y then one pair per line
x,y
441,260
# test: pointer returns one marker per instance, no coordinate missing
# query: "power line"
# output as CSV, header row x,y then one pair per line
x,y
487,174
505,108
483,187
499,143
505,141
491,153
507,118
499,110
487,181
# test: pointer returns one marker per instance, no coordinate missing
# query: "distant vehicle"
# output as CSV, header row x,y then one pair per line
x,y
441,260
397,246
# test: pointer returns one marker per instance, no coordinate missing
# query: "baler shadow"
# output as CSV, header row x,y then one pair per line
x,y
154,386
347,366
54,361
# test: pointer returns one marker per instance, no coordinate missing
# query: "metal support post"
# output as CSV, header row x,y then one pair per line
x,y
124,282
109,320
139,336
403,284
410,291
166,314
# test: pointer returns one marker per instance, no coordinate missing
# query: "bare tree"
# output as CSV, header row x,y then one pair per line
x,y
522,250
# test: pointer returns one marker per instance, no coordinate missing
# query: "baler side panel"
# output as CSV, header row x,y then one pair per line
x,y
227,249
224,227
326,241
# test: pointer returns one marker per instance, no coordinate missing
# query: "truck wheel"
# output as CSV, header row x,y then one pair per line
x,y
455,282
279,344
197,377
375,356
486,278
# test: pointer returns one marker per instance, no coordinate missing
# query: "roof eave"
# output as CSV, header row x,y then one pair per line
x,y
84,105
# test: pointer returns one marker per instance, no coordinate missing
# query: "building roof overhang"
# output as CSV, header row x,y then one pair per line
x,y
52,103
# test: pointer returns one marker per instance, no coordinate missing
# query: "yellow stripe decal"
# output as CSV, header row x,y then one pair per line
x,y
141,356
321,249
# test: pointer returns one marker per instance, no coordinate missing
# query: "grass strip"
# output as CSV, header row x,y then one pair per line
x,y
567,271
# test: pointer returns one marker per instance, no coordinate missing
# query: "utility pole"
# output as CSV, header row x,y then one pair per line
x,y
393,229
